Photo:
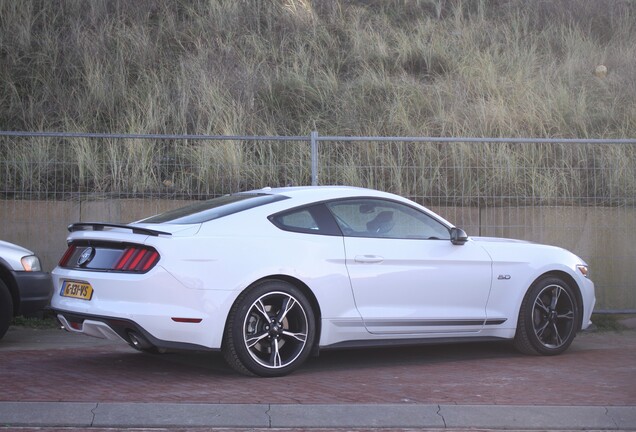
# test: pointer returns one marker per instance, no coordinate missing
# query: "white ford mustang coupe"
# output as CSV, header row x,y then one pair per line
x,y
269,277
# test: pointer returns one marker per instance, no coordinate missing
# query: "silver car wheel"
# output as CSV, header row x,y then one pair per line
x,y
275,330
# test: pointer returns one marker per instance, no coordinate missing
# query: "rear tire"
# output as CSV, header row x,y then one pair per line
x,y
270,330
6,309
548,318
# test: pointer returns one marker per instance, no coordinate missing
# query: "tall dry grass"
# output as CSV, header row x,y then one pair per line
x,y
511,68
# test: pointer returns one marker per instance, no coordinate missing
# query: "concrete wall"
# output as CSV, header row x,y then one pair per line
x,y
604,237
42,225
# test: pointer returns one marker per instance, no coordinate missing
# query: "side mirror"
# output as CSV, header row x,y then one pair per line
x,y
458,236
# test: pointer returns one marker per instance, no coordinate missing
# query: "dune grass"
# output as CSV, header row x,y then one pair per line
x,y
515,68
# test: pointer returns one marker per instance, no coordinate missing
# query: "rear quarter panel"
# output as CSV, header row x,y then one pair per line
x,y
231,253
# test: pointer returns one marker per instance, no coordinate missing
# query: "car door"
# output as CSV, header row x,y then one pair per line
x,y
406,275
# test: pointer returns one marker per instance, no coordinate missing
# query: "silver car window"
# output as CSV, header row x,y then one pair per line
x,y
379,218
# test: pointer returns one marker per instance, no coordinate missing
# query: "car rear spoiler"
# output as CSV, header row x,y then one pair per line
x,y
94,226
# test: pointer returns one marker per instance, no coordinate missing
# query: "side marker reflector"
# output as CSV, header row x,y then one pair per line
x,y
187,320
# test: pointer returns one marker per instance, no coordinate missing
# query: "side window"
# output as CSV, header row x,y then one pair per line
x,y
385,219
314,219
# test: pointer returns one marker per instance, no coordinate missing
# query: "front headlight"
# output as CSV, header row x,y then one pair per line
x,y
31,263
583,269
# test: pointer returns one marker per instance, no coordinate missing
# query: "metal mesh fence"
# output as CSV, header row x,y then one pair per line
x,y
98,167
580,195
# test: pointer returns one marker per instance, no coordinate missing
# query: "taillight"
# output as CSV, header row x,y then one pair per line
x,y
110,257
67,256
137,259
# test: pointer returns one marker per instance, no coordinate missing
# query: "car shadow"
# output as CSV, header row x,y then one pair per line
x,y
427,354
354,358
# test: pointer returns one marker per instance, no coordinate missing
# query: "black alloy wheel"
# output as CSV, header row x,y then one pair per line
x,y
548,318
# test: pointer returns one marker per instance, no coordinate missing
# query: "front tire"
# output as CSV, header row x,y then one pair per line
x,y
548,318
6,309
270,330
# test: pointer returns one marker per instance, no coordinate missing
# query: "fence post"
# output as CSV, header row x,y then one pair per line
x,y
314,158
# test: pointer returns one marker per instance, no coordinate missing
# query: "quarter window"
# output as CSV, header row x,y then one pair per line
x,y
299,220
315,219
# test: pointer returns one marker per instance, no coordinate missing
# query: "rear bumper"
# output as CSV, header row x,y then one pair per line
x,y
120,329
34,289
156,302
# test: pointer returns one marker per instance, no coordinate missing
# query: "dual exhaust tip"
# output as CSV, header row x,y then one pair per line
x,y
139,342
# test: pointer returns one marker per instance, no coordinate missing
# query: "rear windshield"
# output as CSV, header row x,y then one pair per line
x,y
213,209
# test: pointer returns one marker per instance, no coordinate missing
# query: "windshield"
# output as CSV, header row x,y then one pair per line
x,y
213,209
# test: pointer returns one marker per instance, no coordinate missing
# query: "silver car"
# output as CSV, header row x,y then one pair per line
x,y
24,287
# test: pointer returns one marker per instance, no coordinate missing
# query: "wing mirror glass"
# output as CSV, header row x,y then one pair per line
x,y
458,236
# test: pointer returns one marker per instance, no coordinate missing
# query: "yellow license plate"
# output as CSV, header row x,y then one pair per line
x,y
80,290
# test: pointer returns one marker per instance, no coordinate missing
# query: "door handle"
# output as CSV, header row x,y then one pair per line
x,y
369,259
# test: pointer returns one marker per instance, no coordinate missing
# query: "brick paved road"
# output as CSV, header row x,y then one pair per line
x,y
51,365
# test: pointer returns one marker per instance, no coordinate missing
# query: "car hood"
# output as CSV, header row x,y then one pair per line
x,y
11,254
498,240
520,251
13,249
